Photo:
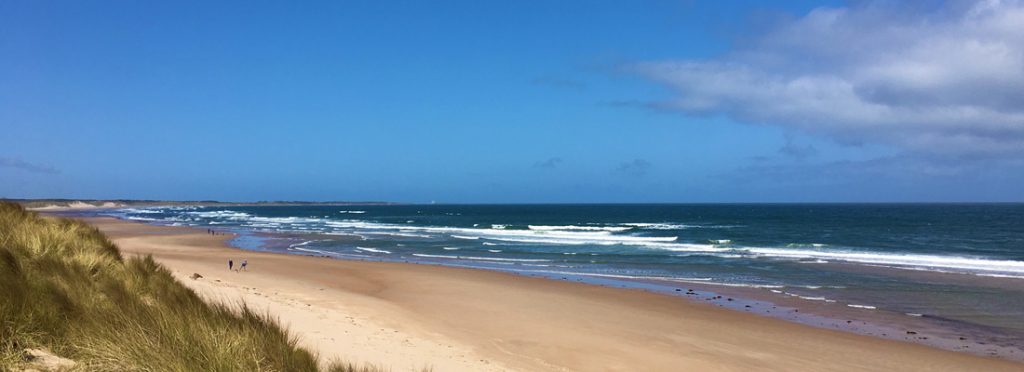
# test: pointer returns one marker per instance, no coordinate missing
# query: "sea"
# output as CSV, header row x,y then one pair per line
x,y
947,275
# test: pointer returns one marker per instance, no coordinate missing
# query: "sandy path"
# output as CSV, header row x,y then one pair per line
x,y
408,316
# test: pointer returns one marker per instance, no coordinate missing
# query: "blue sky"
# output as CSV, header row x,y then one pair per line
x,y
479,101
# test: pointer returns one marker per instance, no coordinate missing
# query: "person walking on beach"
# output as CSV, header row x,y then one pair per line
x,y
231,264
244,264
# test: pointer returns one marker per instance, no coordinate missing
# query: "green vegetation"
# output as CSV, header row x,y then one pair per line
x,y
66,288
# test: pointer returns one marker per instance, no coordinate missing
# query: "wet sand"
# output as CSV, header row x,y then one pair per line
x,y
409,316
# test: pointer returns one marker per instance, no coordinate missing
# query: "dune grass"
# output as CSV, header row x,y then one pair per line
x,y
66,288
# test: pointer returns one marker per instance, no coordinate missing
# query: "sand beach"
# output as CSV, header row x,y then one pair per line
x,y
408,316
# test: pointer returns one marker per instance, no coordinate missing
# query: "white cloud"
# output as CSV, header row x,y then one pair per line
x,y
946,80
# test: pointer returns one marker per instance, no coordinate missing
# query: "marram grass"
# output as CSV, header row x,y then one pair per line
x,y
66,288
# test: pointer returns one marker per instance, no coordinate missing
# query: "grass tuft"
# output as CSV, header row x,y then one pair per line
x,y
66,288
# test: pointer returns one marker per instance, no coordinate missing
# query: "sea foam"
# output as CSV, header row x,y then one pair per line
x,y
374,250
480,258
915,260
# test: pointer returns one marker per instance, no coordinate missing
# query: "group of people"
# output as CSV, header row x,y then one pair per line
x,y
231,265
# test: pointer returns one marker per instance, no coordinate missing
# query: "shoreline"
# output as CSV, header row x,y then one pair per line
x,y
572,325
801,307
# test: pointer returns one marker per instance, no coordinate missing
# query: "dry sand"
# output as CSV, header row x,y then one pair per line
x,y
409,316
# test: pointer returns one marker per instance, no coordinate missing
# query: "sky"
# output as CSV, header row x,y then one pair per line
x,y
513,102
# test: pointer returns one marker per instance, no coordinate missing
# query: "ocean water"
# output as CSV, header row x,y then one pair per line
x,y
960,265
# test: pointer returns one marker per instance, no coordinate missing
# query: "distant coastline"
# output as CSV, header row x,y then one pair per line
x,y
55,204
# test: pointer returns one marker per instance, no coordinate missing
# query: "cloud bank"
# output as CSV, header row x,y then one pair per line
x,y
939,81
634,168
548,163
8,162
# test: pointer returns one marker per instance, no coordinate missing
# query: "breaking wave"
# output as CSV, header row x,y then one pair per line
x,y
650,236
